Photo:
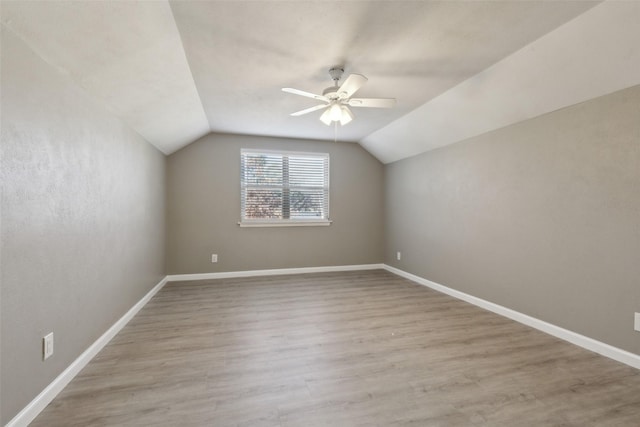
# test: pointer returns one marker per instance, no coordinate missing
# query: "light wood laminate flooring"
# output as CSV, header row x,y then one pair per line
x,y
338,349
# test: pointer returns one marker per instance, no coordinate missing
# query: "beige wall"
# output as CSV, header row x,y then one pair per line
x,y
82,222
542,217
204,209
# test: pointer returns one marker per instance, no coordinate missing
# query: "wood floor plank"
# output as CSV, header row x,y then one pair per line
x,y
338,349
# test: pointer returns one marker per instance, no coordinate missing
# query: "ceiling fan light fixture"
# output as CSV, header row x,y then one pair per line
x,y
347,116
335,112
326,117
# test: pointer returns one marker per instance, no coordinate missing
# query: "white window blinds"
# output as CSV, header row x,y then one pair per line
x,y
279,187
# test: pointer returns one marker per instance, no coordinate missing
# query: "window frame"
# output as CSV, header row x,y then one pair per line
x,y
288,222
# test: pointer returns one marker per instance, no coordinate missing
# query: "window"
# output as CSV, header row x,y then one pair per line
x,y
284,188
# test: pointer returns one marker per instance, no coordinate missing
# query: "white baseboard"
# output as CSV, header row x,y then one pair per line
x,y
599,347
31,411
272,272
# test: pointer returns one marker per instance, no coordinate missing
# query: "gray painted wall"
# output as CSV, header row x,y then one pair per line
x,y
82,222
203,195
542,217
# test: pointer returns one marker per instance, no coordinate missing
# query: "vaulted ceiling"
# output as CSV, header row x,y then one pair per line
x,y
177,70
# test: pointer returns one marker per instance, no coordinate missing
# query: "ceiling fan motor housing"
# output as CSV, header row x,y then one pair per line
x,y
331,92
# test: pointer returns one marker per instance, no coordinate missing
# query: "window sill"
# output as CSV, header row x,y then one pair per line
x,y
322,223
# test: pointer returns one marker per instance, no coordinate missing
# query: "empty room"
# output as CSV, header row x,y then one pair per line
x,y
320,213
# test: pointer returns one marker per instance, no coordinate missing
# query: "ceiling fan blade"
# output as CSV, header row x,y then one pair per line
x,y
303,93
351,85
372,102
309,110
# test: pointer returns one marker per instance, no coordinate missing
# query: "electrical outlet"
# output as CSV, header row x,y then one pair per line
x,y
636,323
214,257
398,255
47,346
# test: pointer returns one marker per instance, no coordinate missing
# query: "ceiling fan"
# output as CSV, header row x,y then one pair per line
x,y
337,99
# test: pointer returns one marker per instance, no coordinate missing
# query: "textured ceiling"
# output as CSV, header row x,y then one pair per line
x,y
127,55
177,70
595,54
242,53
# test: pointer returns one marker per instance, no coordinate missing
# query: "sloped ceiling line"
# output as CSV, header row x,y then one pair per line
x,y
595,54
175,71
126,55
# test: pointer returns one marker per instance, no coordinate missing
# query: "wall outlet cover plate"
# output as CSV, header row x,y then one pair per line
x,y
47,346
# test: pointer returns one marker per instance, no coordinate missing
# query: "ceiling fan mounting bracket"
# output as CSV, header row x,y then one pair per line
x,y
336,73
